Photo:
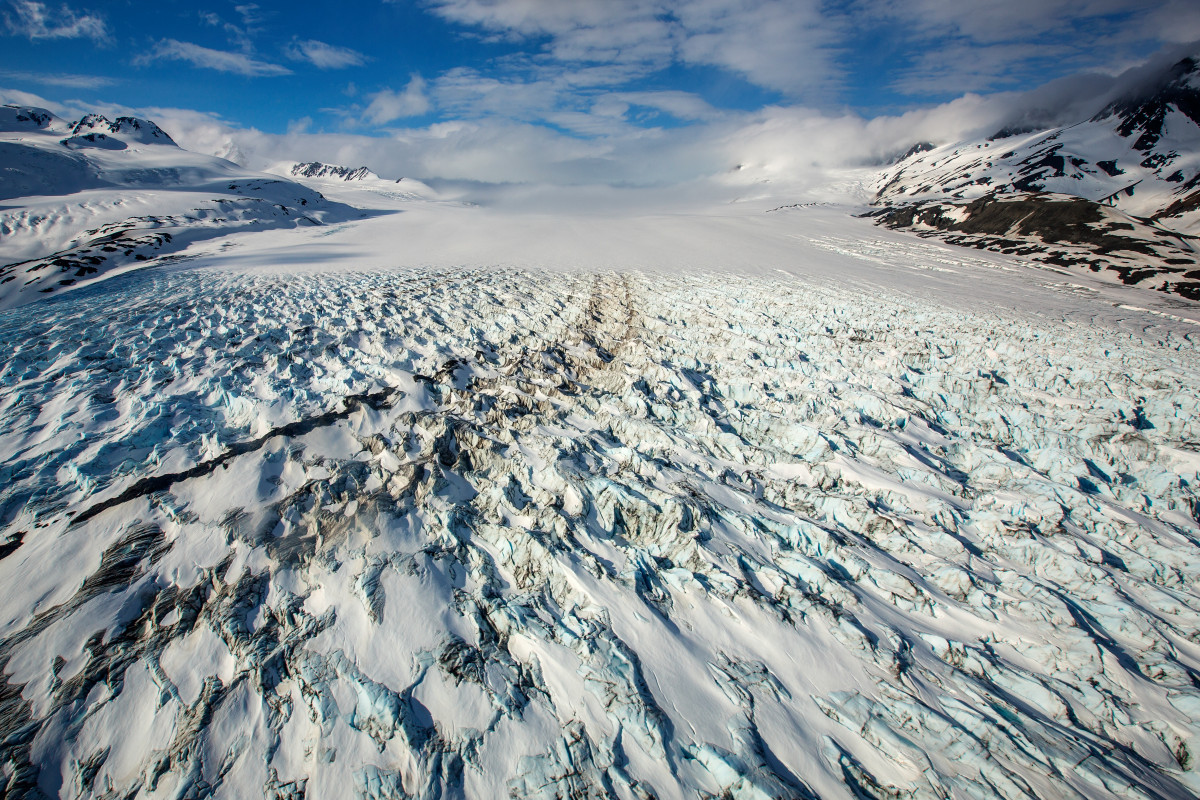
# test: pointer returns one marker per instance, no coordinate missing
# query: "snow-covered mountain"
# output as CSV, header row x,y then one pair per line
x,y
1136,162
94,128
1140,154
81,201
350,183
315,169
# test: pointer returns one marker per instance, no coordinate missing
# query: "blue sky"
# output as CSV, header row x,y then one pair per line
x,y
574,65
542,72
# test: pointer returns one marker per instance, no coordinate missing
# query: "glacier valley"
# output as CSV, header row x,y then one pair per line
x,y
348,490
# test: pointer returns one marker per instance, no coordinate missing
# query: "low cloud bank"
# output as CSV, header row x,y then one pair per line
x,y
774,150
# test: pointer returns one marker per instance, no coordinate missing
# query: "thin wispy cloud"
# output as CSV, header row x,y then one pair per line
x,y
620,91
237,35
219,60
324,56
796,149
946,48
64,79
469,93
251,13
35,21
812,52
681,105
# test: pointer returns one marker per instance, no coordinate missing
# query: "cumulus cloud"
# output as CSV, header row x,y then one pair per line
x,y
776,151
468,93
575,100
681,105
34,21
387,105
792,148
324,56
220,60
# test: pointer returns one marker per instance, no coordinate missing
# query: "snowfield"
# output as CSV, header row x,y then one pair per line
x,y
81,202
790,507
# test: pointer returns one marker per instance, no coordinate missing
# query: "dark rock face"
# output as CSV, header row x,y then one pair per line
x,y
97,140
1042,194
315,169
1009,131
919,147
14,117
142,131
1060,230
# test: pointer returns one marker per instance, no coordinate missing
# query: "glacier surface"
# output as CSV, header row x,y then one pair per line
x,y
481,531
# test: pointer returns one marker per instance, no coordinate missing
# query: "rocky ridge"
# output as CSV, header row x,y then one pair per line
x,y
1136,162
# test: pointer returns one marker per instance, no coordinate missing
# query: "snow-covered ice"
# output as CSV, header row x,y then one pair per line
x,y
453,503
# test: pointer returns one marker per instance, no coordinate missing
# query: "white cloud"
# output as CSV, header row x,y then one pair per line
x,y
220,60
791,147
324,56
781,151
1012,20
388,105
467,93
239,36
19,97
34,21
66,79
806,49
574,100
947,47
1176,21
250,13
681,105
779,44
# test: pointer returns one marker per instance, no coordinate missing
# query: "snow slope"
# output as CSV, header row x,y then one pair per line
x,y
462,503
82,201
1140,154
1066,196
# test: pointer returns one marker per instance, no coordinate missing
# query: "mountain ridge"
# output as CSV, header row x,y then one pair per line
x,y
1137,161
97,196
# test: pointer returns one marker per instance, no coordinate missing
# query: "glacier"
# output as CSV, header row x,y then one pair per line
x,y
315,483
489,531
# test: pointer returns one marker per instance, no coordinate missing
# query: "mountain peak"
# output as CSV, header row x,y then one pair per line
x,y
129,129
919,147
316,169
1145,112
22,118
